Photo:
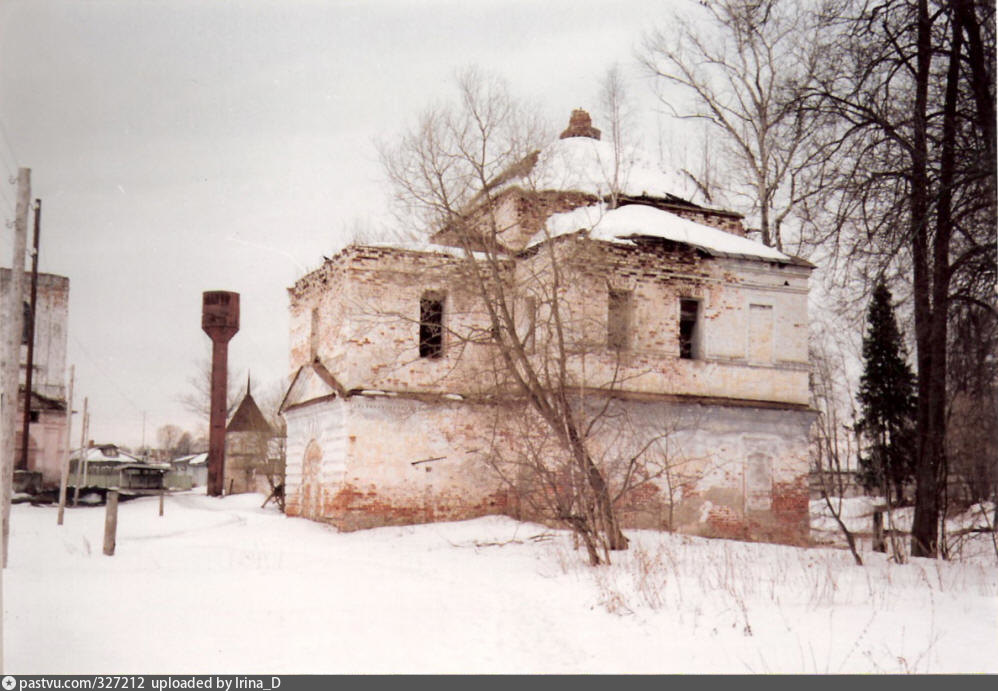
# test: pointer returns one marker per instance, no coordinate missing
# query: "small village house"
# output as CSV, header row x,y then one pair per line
x,y
100,467
187,472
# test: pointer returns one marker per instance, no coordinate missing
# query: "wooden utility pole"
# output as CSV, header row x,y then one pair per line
x,y
30,331
64,474
12,325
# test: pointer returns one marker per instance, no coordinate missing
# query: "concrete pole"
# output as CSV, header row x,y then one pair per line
x,y
10,376
64,475
86,445
83,451
13,317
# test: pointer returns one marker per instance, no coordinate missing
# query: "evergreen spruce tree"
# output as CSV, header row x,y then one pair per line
x,y
887,400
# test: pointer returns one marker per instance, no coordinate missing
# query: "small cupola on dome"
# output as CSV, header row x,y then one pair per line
x,y
580,125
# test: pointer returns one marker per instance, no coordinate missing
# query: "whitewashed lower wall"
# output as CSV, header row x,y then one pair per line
x,y
320,424
722,470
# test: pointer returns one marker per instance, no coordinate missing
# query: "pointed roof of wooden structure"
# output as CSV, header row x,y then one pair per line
x,y
248,417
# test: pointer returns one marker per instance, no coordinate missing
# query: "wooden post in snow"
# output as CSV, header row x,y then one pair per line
x,y
64,474
162,493
111,522
879,541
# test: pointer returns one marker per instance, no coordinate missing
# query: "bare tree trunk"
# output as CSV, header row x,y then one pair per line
x,y
941,266
924,536
837,515
981,76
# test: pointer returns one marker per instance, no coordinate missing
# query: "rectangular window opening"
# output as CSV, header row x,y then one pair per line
x,y
618,319
431,325
689,313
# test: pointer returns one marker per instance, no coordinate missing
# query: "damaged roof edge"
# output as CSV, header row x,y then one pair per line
x,y
452,397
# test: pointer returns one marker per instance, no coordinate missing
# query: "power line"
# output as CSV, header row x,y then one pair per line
x,y
106,376
6,138
13,175
9,204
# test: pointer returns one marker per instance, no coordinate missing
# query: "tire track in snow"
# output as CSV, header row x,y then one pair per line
x,y
234,519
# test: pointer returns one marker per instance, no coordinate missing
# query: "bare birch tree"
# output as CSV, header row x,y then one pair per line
x,y
741,68
617,111
446,173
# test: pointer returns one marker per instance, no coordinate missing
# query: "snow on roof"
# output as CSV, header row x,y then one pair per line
x,y
192,459
583,164
636,220
199,459
377,392
106,453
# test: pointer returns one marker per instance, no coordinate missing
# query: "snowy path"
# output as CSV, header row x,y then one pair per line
x,y
223,586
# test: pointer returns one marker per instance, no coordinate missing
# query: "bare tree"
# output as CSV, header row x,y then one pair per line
x,y
617,111
272,445
198,398
741,67
168,437
916,194
832,440
447,172
972,416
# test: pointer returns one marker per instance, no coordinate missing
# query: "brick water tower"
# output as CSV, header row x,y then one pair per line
x,y
220,320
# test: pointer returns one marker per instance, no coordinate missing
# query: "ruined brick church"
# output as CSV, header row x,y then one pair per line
x,y
697,335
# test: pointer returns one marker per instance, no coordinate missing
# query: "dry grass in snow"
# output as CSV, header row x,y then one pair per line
x,y
219,585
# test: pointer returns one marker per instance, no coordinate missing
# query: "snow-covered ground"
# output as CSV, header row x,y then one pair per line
x,y
220,585
964,538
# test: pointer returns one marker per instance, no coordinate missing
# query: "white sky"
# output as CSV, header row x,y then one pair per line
x,y
180,147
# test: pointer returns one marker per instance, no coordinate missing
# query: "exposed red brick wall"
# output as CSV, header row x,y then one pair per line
x,y
724,521
787,522
352,508
791,511
723,221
